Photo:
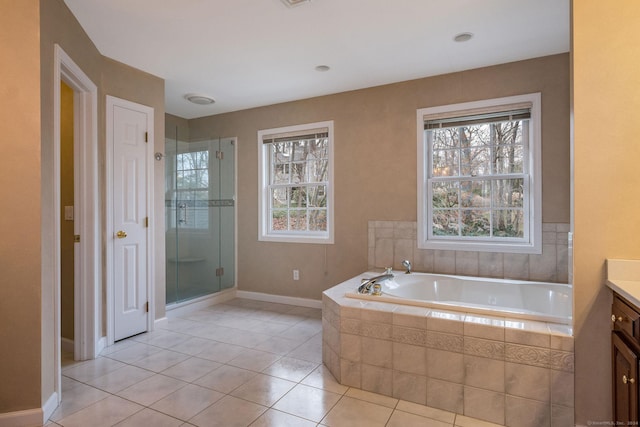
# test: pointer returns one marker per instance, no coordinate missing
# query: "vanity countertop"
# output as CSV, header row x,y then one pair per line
x,y
623,276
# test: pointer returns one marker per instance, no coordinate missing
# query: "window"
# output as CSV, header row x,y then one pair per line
x,y
189,184
479,180
296,174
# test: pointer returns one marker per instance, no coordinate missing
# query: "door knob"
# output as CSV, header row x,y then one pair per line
x,y
627,380
121,234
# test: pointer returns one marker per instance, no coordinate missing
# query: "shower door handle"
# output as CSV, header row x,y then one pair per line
x,y
121,234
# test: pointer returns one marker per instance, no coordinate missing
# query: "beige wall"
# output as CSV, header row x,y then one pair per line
x,y
606,105
20,320
375,164
66,199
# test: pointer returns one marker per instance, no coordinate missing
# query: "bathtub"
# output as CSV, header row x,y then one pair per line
x,y
541,301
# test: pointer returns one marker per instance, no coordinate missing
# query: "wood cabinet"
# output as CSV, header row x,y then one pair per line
x,y
625,344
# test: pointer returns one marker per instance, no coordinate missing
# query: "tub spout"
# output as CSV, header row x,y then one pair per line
x,y
407,264
366,285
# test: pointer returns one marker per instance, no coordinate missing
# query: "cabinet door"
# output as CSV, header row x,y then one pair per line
x,y
625,381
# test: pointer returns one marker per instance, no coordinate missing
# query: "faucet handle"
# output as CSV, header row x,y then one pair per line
x,y
388,270
407,264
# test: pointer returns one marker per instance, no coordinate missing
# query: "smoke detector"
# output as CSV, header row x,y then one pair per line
x,y
292,3
199,99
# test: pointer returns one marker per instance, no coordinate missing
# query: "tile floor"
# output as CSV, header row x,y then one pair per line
x,y
241,363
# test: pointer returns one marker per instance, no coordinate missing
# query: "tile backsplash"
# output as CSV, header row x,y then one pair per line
x,y
390,242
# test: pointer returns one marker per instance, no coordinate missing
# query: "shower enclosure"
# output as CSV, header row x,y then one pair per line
x,y
199,216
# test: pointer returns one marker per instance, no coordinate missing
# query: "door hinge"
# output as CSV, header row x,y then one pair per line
x,y
146,137
76,238
146,221
146,307
219,272
220,155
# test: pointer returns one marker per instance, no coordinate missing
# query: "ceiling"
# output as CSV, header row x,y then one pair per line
x,y
249,53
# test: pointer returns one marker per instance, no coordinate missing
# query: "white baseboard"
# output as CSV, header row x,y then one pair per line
x,y
49,407
102,344
180,309
67,345
160,323
280,299
29,417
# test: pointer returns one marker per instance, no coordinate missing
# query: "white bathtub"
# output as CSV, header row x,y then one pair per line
x,y
546,302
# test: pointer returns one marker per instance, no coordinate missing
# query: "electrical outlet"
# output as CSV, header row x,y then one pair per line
x,y
296,274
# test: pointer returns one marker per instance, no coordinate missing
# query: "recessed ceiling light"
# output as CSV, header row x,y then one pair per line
x,y
199,99
323,68
292,3
463,37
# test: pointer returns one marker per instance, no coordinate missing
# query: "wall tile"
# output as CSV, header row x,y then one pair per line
x,y
526,413
527,332
466,263
543,267
384,253
527,381
484,373
561,360
444,262
562,416
447,342
445,365
350,346
516,266
377,352
375,330
446,321
350,373
484,348
422,260
445,395
490,264
411,317
380,313
403,249
534,356
378,380
350,326
409,358
562,264
410,387
483,404
409,335
562,388
488,327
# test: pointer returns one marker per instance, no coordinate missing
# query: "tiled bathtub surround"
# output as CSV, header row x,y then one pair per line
x,y
516,373
390,242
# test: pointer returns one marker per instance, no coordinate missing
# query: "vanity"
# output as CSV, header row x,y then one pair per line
x,y
623,277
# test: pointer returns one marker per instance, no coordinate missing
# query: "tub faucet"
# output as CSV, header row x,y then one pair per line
x,y
407,264
366,285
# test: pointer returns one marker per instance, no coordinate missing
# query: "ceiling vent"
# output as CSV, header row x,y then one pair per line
x,y
292,3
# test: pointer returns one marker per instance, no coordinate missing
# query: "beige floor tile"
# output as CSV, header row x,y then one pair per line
x,y
307,402
279,345
191,369
106,412
160,361
151,418
220,352
310,350
187,401
263,389
91,369
463,421
134,352
120,379
370,397
192,346
225,378
254,360
77,398
290,369
426,411
228,412
273,418
321,378
152,389
350,412
405,419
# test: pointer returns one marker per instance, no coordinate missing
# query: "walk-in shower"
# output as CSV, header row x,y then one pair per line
x,y
199,216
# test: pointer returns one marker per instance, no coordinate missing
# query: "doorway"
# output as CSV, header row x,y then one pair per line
x,y
87,285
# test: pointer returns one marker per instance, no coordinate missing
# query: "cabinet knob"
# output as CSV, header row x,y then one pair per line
x,y
627,380
614,318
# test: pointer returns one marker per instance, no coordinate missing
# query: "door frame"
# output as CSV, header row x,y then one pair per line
x,y
112,102
87,283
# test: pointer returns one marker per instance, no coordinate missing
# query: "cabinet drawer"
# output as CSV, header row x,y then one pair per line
x,y
625,319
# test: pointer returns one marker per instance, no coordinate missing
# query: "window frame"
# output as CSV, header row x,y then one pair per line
x,y
265,233
531,243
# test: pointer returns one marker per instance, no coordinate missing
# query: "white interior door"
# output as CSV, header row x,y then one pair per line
x,y
130,220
